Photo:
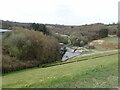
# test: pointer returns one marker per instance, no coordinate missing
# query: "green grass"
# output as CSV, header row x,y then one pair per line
x,y
94,56
108,40
48,26
98,48
99,72
79,59
86,52
0,82
111,39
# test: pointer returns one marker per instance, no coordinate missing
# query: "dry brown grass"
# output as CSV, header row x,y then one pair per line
x,y
106,43
96,42
109,45
10,64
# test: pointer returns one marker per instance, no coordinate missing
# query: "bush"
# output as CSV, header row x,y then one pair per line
x,y
103,33
78,40
10,64
61,39
40,27
17,45
118,33
24,48
33,45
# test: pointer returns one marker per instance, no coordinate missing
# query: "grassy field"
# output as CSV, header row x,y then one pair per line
x,y
84,58
109,43
99,72
111,39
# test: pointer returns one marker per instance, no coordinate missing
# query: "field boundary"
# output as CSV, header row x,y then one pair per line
x,y
85,58
79,59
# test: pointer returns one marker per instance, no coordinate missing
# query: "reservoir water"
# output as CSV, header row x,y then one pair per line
x,y
2,31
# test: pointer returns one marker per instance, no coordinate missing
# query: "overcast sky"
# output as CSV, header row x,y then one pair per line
x,y
67,12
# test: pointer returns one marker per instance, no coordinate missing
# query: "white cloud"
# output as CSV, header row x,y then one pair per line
x,y
60,11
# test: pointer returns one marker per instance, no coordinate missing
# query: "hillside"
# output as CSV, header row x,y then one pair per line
x,y
68,30
63,29
94,73
39,54
108,43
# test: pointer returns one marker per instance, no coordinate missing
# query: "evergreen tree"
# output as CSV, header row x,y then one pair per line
x,y
40,27
103,33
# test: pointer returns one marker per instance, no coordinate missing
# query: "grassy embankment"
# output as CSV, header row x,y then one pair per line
x,y
111,39
109,43
98,72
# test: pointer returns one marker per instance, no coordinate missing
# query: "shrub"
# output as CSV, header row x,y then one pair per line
x,y
103,33
78,40
33,45
10,64
61,39
39,27
28,48
17,45
118,33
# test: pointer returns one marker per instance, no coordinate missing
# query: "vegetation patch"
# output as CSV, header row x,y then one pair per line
x,y
95,73
86,52
24,48
79,59
107,43
111,39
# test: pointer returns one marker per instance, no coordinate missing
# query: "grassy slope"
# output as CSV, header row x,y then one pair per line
x,y
113,40
100,72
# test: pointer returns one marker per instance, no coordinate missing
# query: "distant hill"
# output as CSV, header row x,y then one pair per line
x,y
63,29
8,24
68,30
